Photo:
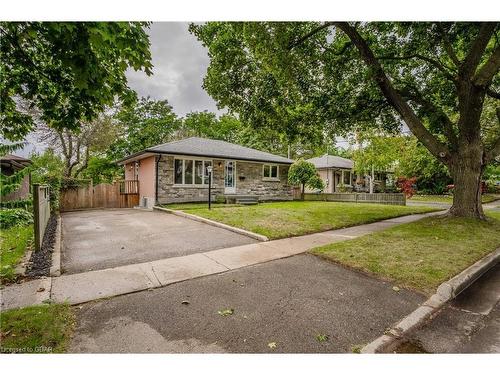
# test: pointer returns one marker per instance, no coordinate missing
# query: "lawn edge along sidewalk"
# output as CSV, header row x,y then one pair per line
x,y
110,282
244,232
444,293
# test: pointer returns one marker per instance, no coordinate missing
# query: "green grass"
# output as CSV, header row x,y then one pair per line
x,y
36,329
286,219
13,244
419,255
486,198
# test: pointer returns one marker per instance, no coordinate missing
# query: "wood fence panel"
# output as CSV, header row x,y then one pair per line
x,y
99,196
41,212
380,198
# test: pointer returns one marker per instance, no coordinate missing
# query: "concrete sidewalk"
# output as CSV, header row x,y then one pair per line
x,y
89,286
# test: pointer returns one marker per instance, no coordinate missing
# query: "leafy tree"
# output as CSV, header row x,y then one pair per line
x,y
352,76
102,170
77,146
68,71
304,173
48,169
414,160
143,124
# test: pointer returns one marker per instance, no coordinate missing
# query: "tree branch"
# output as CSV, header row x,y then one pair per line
x,y
492,94
436,63
448,47
310,34
486,73
437,148
442,118
473,58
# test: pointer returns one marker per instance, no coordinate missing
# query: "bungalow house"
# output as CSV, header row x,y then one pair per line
x,y
177,172
338,175
10,164
334,171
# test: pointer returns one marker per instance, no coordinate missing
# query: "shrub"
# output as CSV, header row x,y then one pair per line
x,y
304,173
407,185
14,216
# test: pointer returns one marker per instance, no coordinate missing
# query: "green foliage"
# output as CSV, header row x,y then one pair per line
x,y
144,123
379,151
43,327
415,160
69,71
101,170
19,203
13,245
10,217
9,184
48,169
304,173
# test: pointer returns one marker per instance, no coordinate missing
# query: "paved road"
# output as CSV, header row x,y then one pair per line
x,y
98,239
288,301
470,324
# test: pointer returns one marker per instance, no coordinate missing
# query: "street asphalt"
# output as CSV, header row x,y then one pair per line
x,y
469,324
99,239
298,304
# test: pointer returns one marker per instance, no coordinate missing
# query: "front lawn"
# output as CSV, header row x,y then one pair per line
x,y
419,255
486,198
286,219
13,244
36,329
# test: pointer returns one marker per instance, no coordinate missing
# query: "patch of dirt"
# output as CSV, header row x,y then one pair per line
x,y
41,261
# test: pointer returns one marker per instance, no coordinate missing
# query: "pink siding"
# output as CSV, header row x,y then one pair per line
x,y
130,171
147,177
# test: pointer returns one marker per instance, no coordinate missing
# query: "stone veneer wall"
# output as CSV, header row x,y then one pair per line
x,y
248,182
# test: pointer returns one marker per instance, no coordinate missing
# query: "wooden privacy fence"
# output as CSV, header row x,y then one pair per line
x,y
120,194
41,212
381,198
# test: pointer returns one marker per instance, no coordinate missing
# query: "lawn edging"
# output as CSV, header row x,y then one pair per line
x,y
444,293
55,268
244,232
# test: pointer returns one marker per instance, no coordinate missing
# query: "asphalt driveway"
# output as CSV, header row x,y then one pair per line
x,y
288,302
98,239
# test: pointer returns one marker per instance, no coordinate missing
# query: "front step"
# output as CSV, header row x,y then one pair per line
x,y
247,202
242,199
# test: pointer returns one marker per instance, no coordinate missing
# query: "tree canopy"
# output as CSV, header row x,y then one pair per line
x,y
335,77
66,72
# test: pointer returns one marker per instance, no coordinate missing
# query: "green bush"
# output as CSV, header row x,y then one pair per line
x,y
10,217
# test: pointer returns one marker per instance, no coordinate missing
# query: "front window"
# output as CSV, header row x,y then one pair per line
x,y
191,172
270,171
347,177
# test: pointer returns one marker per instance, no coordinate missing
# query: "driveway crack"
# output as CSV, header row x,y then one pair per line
x,y
212,259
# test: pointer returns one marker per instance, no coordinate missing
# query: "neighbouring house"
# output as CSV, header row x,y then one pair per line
x,y
177,172
11,164
338,175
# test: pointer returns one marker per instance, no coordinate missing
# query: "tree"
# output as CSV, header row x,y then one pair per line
x,y
434,77
77,146
100,169
304,173
143,124
68,71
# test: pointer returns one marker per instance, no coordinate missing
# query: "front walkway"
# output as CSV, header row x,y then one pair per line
x,y
89,286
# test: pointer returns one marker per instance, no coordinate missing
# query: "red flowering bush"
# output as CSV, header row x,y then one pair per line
x,y
407,186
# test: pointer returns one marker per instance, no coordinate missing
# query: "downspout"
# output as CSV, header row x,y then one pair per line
x,y
157,160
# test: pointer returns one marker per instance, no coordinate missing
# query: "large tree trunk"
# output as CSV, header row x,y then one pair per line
x,y
466,171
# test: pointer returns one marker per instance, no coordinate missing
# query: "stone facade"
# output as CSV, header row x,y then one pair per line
x,y
248,176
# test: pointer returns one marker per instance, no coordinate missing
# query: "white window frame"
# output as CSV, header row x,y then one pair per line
x,y
194,160
277,178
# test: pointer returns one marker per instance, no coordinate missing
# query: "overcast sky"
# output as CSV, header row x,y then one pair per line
x,y
180,63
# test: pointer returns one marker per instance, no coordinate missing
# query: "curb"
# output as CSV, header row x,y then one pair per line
x,y
55,269
247,233
444,293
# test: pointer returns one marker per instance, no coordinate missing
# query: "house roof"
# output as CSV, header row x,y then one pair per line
x,y
331,161
204,147
14,161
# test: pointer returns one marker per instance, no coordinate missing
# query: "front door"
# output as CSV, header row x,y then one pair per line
x,y
229,180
